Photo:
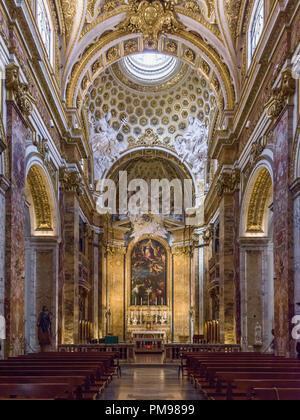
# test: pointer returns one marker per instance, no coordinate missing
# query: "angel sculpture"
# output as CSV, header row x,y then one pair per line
x,y
192,147
106,148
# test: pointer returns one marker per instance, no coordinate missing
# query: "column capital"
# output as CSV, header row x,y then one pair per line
x,y
228,182
295,188
4,184
71,181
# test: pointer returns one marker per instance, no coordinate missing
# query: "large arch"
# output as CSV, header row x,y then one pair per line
x,y
257,259
42,241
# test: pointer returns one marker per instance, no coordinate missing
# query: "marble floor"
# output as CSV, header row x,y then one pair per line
x,y
150,383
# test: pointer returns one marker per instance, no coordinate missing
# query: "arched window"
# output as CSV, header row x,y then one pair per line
x,y
256,28
44,25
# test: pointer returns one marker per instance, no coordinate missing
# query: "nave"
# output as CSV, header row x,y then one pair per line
x,y
151,383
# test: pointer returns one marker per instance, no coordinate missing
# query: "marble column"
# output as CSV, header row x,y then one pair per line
x,y
41,287
283,234
15,233
227,269
257,290
4,184
71,269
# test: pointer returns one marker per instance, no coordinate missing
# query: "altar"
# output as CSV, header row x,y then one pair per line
x,y
149,341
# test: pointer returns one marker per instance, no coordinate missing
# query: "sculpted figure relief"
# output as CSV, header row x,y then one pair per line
x,y
106,148
192,147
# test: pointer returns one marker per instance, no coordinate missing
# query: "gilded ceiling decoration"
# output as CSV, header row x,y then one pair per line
x,y
40,199
152,19
159,117
233,13
69,11
258,201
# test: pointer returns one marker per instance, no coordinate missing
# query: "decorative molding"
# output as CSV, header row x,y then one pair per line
x,y
151,19
281,95
18,91
228,182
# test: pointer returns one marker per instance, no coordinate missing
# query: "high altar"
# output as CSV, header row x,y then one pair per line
x,y
151,287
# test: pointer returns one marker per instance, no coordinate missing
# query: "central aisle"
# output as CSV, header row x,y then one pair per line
x,y
150,383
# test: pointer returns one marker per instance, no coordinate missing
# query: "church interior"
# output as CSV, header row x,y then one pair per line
x,y
150,199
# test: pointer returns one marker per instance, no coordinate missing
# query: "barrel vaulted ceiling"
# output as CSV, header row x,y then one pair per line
x,y
210,37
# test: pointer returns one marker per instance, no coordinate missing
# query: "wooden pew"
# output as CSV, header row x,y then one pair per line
x,y
82,375
277,394
36,391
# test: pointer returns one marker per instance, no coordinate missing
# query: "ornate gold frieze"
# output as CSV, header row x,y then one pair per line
x,y
71,181
151,19
228,182
281,95
149,139
40,199
258,202
18,91
233,12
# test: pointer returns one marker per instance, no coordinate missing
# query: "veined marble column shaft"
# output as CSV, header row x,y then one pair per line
x,y
15,233
283,235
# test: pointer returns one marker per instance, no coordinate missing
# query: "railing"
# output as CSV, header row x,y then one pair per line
x,y
126,351
173,352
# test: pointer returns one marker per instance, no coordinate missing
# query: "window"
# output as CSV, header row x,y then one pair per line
x,y
43,22
256,28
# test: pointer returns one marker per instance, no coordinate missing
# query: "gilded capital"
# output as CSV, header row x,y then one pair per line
x,y
281,95
71,181
18,91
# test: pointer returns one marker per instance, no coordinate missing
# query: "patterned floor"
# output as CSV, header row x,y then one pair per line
x,y
150,383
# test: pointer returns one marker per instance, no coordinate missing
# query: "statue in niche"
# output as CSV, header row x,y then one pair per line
x,y
105,146
44,329
258,335
192,147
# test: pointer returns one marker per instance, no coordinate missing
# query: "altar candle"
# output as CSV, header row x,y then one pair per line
x,y
156,301
135,301
141,301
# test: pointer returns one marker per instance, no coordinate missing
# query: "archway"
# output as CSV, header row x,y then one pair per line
x,y
41,265
257,261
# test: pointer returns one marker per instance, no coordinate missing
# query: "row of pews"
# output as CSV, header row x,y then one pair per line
x,y
243,376
57,376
